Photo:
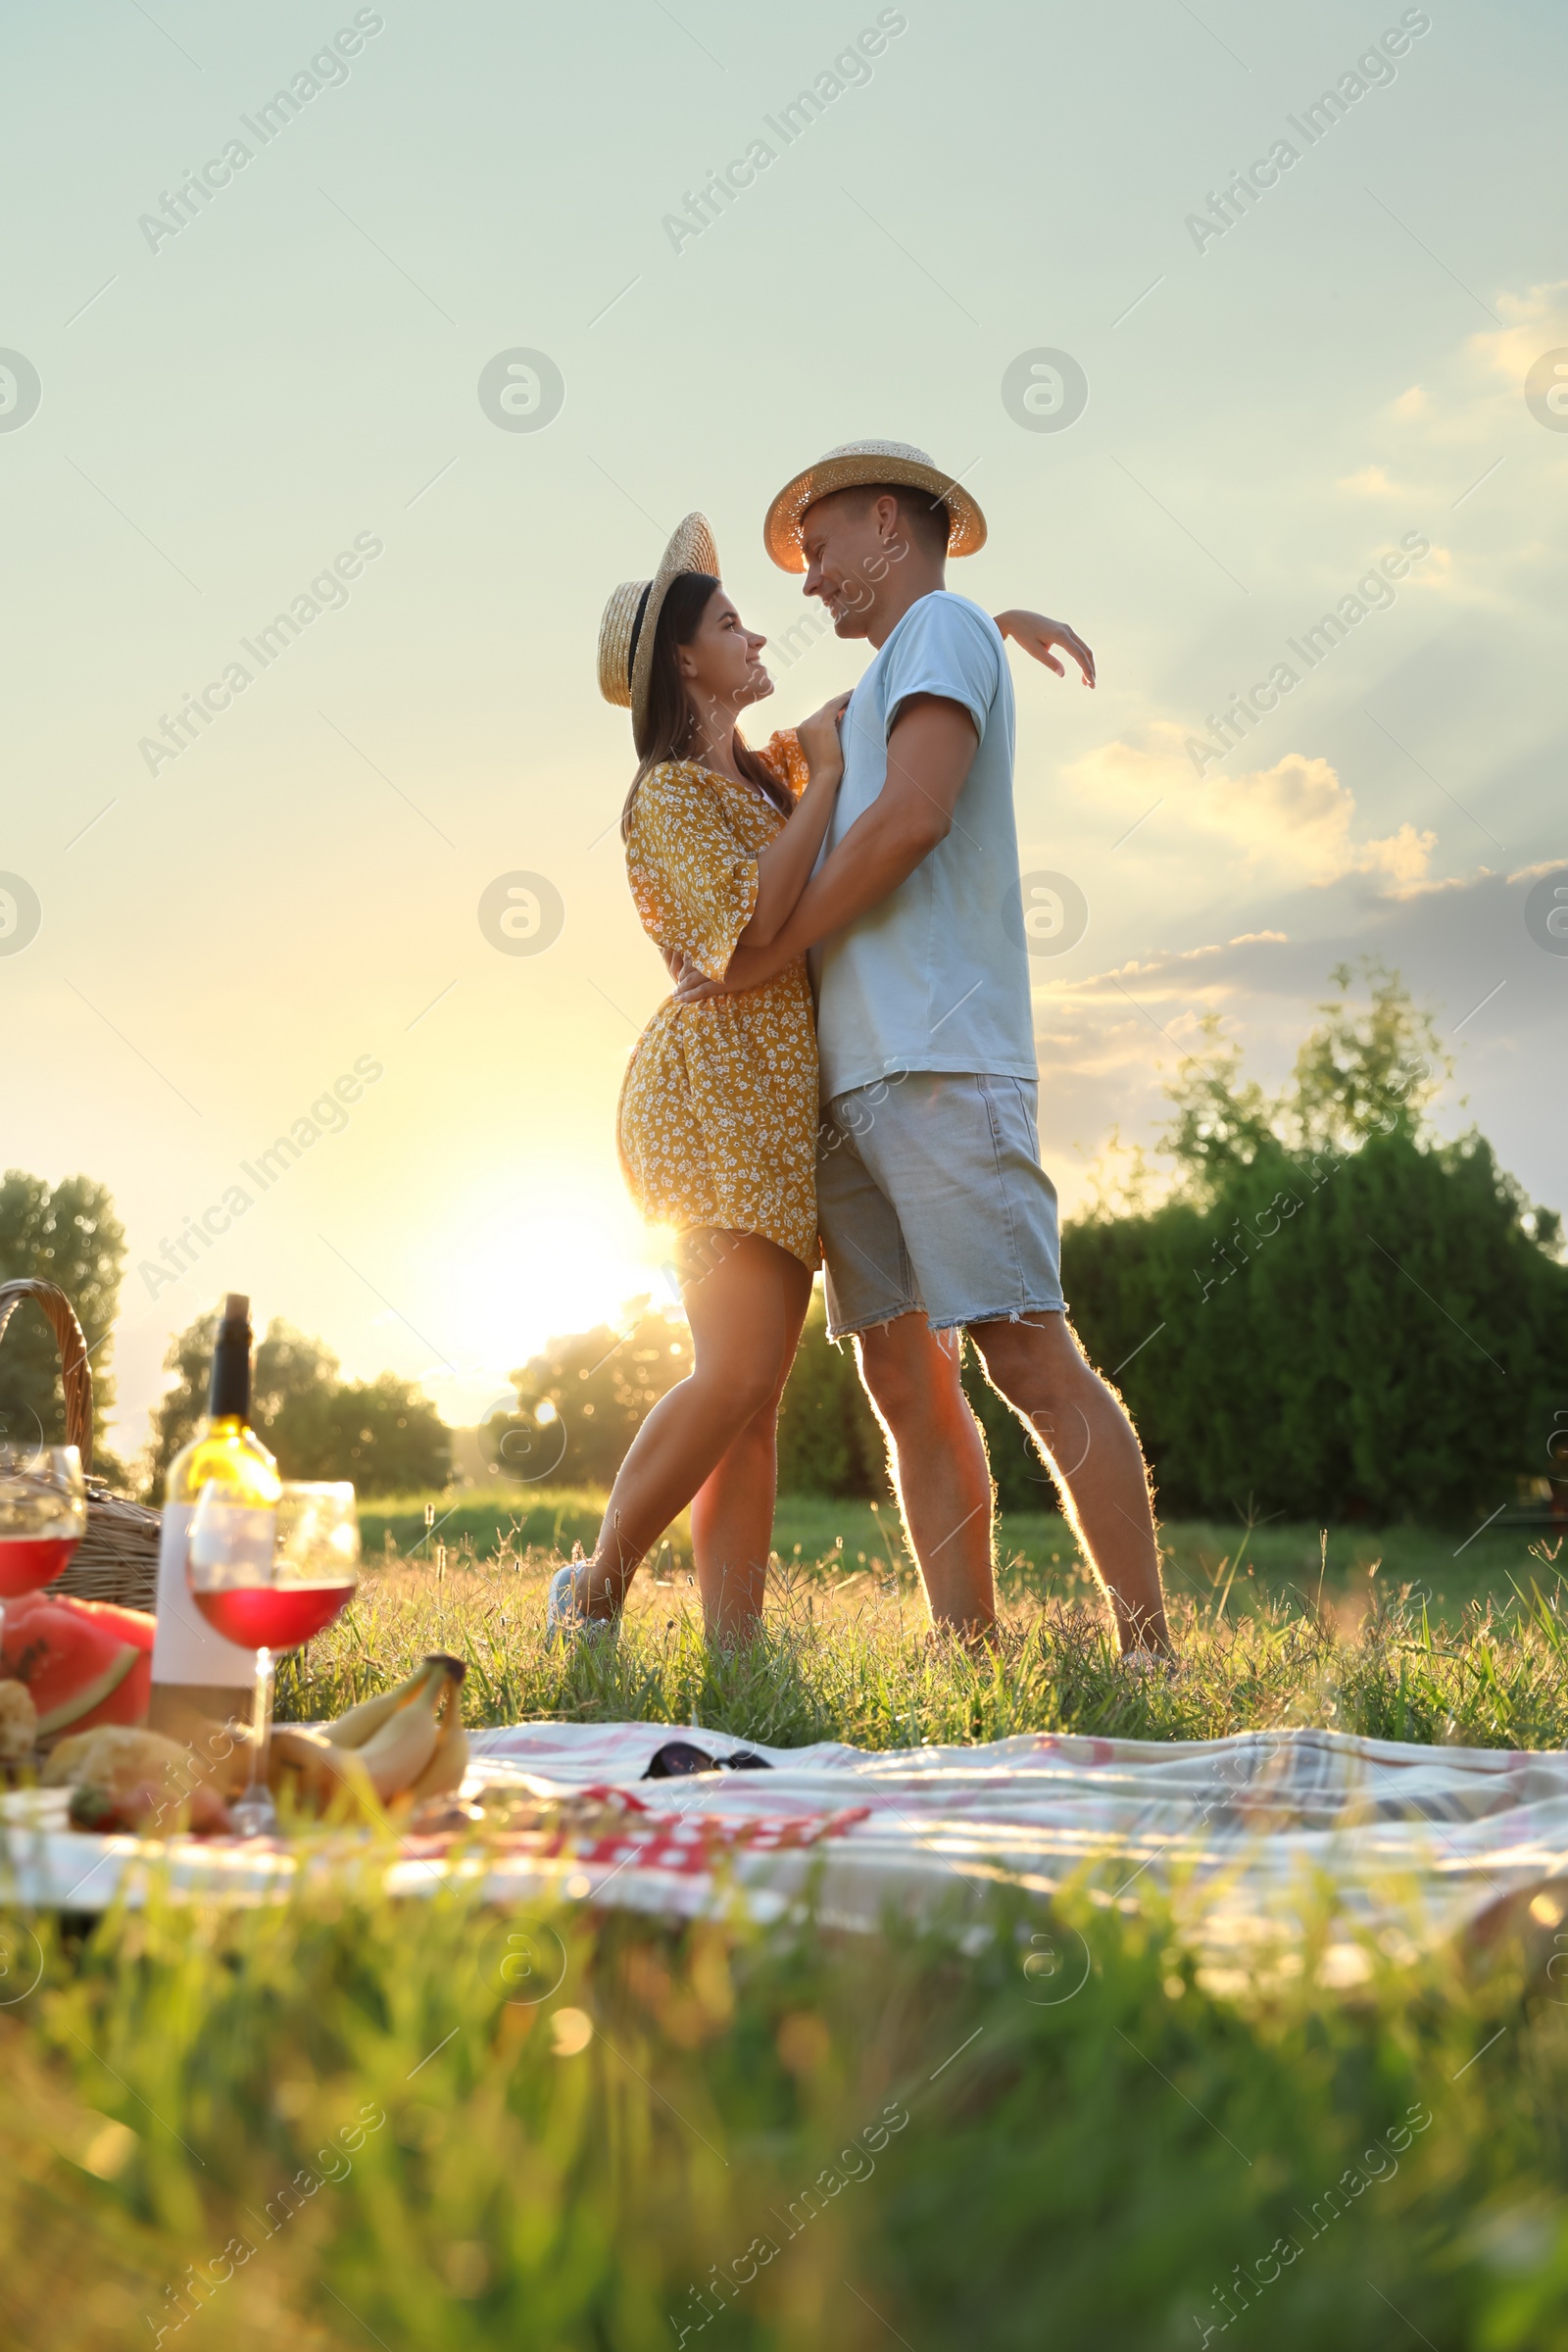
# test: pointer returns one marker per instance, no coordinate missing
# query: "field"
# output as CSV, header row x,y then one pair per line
x,y
1035,1554
848,1656
339,2122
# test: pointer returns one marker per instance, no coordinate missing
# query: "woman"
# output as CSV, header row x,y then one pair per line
x,y
719,1113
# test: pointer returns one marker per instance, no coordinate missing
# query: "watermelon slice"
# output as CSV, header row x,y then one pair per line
x,y
135,1625
85,1661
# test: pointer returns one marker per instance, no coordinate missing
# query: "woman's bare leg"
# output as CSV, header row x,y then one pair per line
x,y
741,1295
732,1511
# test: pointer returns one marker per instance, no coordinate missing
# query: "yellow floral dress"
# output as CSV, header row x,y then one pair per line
x,y
718,1111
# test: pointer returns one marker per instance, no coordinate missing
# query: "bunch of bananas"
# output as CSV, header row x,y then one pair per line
x,y
398,1749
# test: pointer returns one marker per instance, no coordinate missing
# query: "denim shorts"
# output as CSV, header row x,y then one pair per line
x,y
932,1200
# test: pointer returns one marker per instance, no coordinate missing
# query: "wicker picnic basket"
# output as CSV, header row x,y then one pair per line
x,y
116,1558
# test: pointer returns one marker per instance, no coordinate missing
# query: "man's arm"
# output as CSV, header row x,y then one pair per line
x,y
930,753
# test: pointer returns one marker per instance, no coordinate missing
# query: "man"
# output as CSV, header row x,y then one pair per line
x,y
937,1217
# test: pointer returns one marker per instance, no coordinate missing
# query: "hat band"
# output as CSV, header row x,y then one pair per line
x,y
637,629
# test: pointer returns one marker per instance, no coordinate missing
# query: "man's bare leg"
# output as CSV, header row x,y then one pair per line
x,y
936,1458
1092,1451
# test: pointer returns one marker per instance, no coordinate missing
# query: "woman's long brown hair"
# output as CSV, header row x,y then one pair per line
x,y
669,720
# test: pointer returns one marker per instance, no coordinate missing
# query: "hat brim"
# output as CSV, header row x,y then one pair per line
x,y
781,531
691,548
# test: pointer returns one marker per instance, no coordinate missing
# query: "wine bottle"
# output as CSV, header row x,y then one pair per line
x,y
199,1679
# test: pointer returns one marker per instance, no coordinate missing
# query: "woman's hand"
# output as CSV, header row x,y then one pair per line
x,y
692,984
689,983
819,740
1037,635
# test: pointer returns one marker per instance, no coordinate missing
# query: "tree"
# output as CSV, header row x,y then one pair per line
x,y
67,1235
1334,1312
287,1367
1362,1071
1222,1120
1361,1074
382,1433
582,1400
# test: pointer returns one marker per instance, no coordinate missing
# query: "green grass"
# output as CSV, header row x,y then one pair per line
x,y
550,1518
568,2172
330,2123
1036,1554
850,1658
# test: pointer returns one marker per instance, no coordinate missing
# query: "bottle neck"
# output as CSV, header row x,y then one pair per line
x,y
228,1396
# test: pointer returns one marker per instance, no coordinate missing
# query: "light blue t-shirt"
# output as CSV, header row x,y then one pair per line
x,y
937,976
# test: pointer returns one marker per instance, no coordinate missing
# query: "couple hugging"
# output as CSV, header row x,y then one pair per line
x,y
846,1070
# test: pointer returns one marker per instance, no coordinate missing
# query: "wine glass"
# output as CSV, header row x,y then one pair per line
x,y
268,1577
43,1515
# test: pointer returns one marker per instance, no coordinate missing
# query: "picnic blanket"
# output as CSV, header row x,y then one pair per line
x,y
1416,1843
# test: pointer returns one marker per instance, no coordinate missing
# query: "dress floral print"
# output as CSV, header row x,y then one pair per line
x,y
718,1111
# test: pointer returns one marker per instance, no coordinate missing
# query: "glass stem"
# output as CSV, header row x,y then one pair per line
x,y
261,1723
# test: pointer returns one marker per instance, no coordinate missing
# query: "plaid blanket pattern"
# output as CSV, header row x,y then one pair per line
x,y
1414,1843
1235,1831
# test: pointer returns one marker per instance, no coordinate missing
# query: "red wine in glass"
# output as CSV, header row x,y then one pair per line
x,y
43,1515
28,1561
273,1616
268,1577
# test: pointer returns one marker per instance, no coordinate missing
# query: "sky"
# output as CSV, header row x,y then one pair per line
x,y
454,335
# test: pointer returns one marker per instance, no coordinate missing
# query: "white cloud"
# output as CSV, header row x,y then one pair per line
x,y
1477,388
1299,812
1534,322
1290,823
1372,482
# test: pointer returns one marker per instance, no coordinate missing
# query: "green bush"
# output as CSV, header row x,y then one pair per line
x,y
381,1433
1379,1335
1331,1314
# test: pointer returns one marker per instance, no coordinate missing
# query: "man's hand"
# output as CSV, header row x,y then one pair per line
x,y
1037,635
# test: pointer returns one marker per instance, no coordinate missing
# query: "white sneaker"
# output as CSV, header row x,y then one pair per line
x,y
565,1614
